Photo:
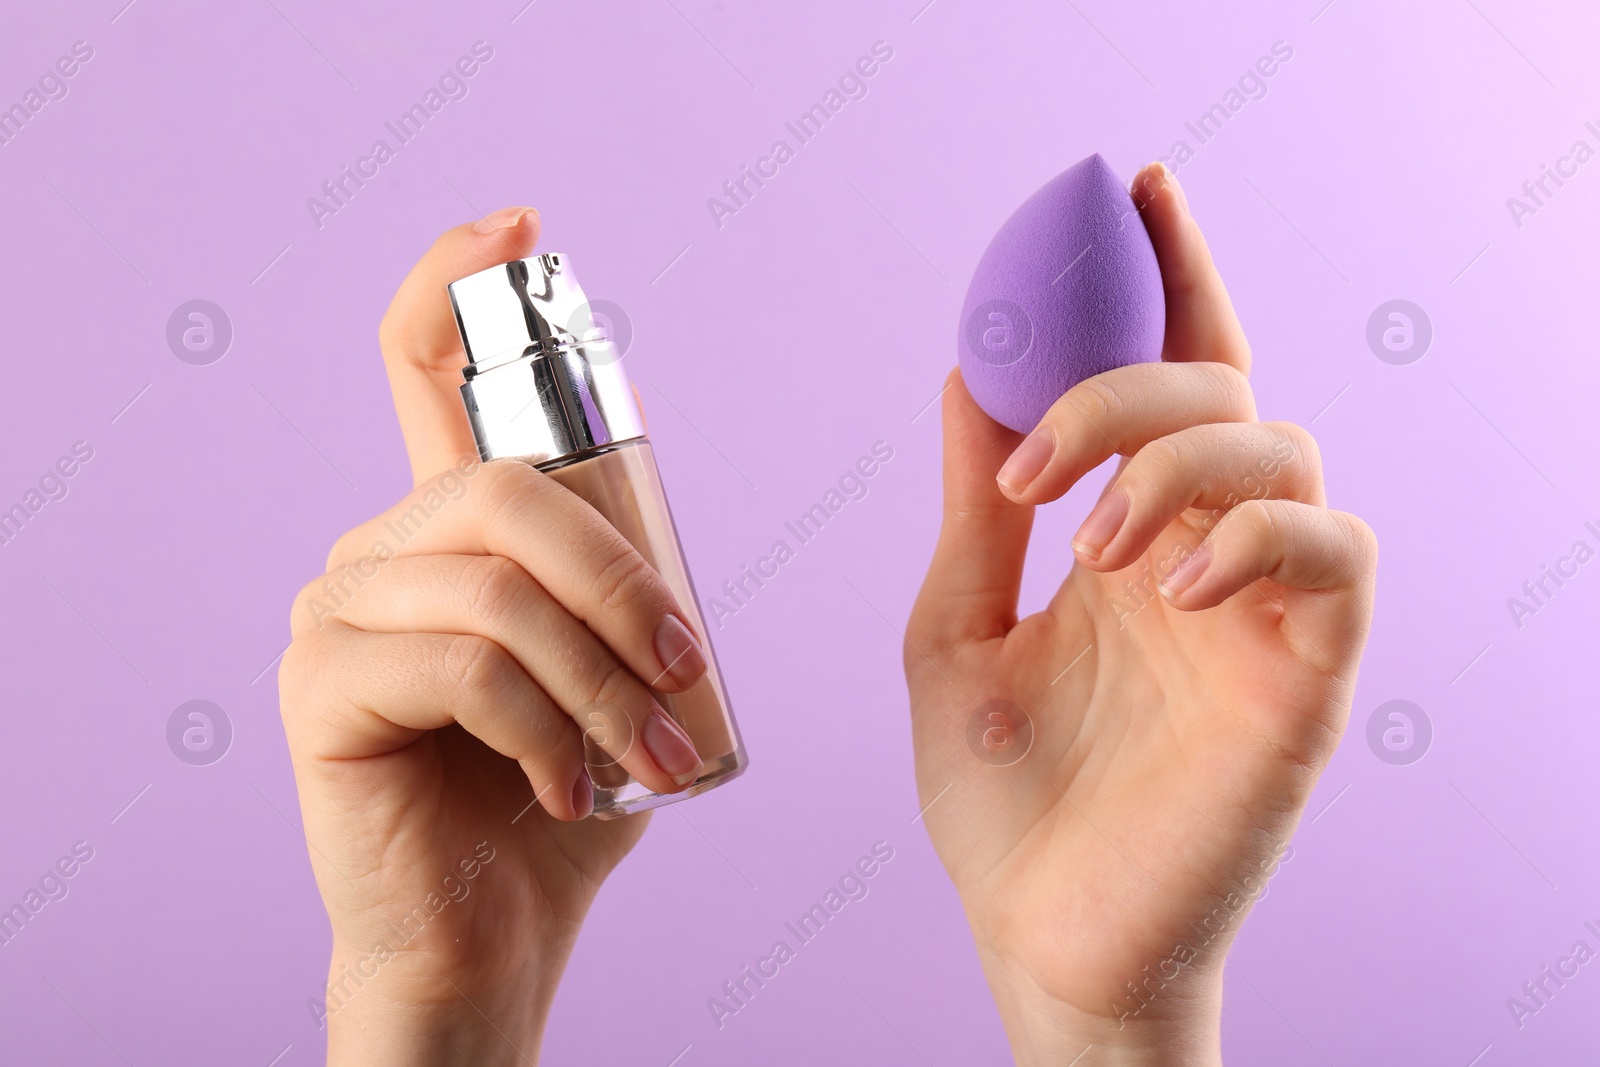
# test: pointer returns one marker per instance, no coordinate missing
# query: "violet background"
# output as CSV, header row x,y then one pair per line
x,y
818,320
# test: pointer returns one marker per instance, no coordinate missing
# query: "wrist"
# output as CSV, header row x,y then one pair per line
x,y
402,1035
1145,1024
420,1015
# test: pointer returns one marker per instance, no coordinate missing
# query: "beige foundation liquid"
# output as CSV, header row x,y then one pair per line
x,y
623,484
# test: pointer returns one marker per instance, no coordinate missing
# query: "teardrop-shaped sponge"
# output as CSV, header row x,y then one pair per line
x,y
1067,289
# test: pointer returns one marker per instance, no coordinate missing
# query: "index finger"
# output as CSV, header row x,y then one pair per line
x,y
422,347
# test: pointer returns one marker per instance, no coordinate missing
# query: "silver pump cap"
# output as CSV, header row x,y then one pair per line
x,y
544,381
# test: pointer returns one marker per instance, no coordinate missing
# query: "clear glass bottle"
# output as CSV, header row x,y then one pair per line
x,y
544,384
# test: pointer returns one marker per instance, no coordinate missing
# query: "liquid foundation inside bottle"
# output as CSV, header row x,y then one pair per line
x,y
622,484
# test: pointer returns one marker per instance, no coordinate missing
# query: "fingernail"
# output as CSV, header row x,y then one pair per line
x,y
504,219
1161,176
1150,177
670,747
678,651
583,794
1028,460
1101,527
1187,572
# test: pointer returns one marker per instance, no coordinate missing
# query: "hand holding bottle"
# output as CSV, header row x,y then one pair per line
x,y
439,695
1110,781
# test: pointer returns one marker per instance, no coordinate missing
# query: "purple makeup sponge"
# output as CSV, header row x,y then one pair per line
x,y
1067,289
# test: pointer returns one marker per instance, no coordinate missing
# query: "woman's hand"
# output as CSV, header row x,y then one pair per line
x,y
1124,769
443,682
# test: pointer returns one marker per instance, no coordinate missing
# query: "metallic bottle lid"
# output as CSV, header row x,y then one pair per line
x,y
543,379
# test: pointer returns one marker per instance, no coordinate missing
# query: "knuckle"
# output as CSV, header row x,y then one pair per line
x,y
1302,443
1164,457
313,606
303,607
503,486
493,587
610,684
546,737
970,515
482,669
1237,395
1363,540
1256,519
546,746
295,671
399,339
1183,285
1096,399
306,682
626,580
347,545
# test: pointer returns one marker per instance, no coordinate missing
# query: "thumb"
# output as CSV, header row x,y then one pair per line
x,y
422,347
970,593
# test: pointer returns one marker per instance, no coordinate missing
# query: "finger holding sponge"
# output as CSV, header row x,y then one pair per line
x,y
1068,288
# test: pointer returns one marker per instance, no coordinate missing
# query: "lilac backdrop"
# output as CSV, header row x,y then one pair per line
x,y
773,350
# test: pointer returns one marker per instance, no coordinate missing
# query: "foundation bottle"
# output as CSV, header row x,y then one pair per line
x,y
544,383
